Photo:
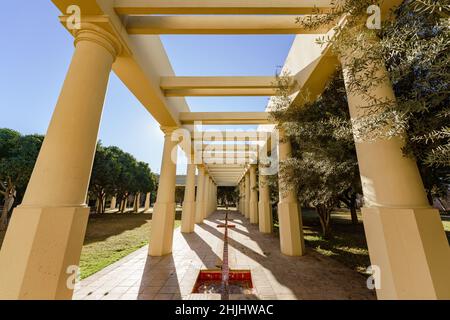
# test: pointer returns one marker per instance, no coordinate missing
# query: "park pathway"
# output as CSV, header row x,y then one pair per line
x,y
274,275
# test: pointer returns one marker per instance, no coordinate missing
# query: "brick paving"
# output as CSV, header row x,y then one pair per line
x,y
275,276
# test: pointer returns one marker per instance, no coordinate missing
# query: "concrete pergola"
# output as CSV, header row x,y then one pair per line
x,y
405,236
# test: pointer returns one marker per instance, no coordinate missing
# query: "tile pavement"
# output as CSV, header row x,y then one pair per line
x,y
275,276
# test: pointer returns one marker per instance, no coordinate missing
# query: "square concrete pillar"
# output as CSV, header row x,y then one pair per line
x,y
253,203
163,217
289,214
200,194
264,206
247,195
188,215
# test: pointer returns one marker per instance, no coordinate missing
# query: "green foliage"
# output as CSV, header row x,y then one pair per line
x,y
416,47
227,195
8,140
116,172
179,194
17,157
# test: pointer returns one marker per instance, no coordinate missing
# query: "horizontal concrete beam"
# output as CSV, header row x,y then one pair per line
x,y
230,174
218,172
236,92
229,161
228,147
225,118
231,154
227,136
142,7
258,24
219,86
226,166
233,82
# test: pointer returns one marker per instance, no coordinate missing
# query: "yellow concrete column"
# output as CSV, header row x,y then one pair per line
x,y
188,215
253,203
161,235
208,200
238,203
215,197
200,194
241,197
46,232
247,195
113,203
405,236
147,202
211,196
264,206
289,212
206,196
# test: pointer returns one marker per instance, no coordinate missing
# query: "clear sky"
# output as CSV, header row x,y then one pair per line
x,y
36,52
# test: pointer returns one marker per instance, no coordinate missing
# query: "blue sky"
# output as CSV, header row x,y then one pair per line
x,y
37,50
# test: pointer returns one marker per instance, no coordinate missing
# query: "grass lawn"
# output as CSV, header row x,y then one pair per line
x,y
348,243
111,237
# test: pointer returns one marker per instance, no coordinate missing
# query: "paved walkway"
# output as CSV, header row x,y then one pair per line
x,y
275,276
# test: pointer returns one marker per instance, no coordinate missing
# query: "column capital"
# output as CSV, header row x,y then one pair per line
x,y
168,130
93,33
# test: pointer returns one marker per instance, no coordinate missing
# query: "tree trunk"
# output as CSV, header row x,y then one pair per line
x,y
4,217
9,200
324,217
122,206
350,202
353,209
137,202
429,198
100,204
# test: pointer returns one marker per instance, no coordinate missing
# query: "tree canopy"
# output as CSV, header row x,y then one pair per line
x,y
117,173
18,154
114,171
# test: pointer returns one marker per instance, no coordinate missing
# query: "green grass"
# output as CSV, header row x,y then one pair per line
x,y
111,237
347,244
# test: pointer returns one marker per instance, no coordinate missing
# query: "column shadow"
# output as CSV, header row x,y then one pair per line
x,y
159,279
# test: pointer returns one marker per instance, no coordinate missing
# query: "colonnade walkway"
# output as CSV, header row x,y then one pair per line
x,y
274,275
